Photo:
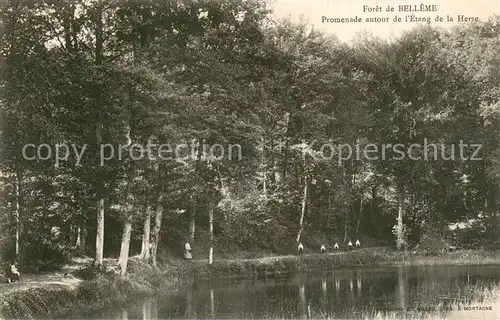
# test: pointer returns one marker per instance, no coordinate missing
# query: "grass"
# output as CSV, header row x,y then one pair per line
x,y
484,303
460,257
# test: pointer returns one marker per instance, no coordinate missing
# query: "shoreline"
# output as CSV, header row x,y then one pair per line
x,y
108,290
362,258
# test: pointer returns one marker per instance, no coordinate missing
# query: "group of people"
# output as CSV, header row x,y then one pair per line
x,y
300,248
11,274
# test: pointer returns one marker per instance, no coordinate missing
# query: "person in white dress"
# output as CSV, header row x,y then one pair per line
x,y
300,249
187,251
12,274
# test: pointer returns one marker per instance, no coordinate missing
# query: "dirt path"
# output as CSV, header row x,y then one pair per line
x,y
59,279
48,279
52,280
282,257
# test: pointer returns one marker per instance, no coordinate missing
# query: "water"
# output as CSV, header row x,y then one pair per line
x,y
432,292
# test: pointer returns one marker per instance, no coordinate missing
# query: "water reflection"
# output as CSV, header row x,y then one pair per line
x,y
189,307
212,303
302,297
358,282
401,292
154,308
124,314
435,291
147,309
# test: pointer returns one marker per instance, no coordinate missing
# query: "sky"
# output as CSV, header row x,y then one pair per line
x,y
313,11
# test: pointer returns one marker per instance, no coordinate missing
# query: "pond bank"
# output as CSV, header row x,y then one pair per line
x,y
108,290
369,257
98,291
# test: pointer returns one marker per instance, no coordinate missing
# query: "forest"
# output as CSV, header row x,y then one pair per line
x,y
86,84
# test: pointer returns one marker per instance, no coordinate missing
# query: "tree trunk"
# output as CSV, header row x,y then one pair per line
x,y
127,228
374,198
99,242
83,239
211,227
264,186
127,224
124,250
272,174
211,255
146,246
346,224
155,236
400,235
100,199
78,237
359,216
285,151
17,215
349,182
192,221
264,173
67,23
303,210
99,35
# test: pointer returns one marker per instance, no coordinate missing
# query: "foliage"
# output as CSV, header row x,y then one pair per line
x,y
197,73
432,241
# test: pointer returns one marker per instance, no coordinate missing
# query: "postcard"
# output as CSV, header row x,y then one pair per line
x,y
250,159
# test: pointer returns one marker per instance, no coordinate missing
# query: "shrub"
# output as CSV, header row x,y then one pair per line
x,y
38,257
478,234
432,241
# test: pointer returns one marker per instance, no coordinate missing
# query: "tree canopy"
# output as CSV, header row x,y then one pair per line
x,y
132,126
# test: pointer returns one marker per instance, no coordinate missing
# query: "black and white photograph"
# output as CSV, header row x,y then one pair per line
x,y
249,159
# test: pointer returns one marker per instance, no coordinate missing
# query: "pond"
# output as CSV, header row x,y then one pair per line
x,y
430,292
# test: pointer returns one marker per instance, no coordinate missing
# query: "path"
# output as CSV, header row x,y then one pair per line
x,y
290,256
47,279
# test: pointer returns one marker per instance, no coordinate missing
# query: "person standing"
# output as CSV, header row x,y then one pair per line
x,y
300,249
358,244
187,251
